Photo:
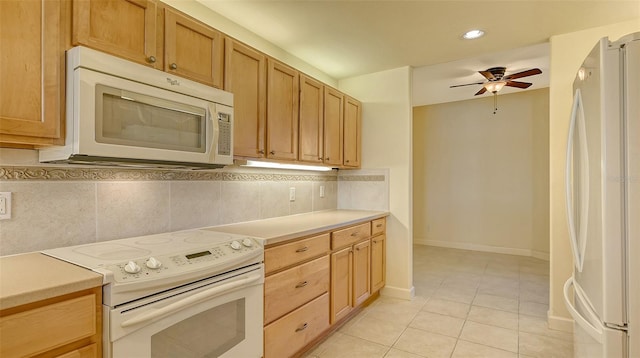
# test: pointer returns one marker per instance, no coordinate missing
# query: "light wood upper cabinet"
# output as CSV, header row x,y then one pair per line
x,y
333,122
246,77
32,43
311,120
282,111
124,28
352,132
192,50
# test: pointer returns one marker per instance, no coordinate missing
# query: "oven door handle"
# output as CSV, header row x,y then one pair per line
x,y
154,314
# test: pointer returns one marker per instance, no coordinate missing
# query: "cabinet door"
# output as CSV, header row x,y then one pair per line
x,y
282,111
361,271
311,120
245,76
32,71
352,132
333,131
378,263
341,283
192,49
124,28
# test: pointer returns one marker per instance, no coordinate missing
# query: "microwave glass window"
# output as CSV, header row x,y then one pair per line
x,y
207,334
133,119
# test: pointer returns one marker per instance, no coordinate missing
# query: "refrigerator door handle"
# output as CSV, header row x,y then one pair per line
x,y
578,239
593,331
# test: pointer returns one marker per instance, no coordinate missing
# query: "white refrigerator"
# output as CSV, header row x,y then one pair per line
x,y
603,201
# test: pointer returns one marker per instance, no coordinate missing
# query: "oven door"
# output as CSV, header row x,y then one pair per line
x,y
220,319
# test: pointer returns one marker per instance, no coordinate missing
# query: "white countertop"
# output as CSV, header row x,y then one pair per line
x,y
33,277
285,228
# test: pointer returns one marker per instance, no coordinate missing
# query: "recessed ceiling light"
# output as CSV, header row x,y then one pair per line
x,y
473,34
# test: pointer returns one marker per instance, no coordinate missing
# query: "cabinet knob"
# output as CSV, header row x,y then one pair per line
x,y
173,66
272,152
261,151
151,59
302,328
347,160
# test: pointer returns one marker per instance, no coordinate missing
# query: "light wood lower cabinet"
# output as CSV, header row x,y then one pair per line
x,y
68,326
313,284
288,335
341,284
292,288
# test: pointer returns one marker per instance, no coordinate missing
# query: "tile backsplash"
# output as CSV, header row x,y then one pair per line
x,y
62,206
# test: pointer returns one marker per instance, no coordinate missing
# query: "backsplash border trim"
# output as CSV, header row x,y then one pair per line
x,y
34,173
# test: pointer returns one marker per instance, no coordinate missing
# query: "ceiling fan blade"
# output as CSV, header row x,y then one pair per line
x,y
488,75
483,90
468,84
531,72
518,84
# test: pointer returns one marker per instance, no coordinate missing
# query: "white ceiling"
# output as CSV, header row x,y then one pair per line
x,y
351,37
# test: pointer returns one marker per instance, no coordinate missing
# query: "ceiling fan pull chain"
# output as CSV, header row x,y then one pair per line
x,y
495,102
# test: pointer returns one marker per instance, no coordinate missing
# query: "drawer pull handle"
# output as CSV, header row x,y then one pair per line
x,y
302,284
304,326
379,225
375,241
354,234
303,249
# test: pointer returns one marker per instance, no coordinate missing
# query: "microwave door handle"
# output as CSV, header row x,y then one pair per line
x,y
154,314
213,130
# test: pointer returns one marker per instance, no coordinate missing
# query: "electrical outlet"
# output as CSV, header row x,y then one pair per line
x,y
322,191
292,194
5,205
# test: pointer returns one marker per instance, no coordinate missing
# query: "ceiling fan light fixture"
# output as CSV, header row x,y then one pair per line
x,y
494,86
472,34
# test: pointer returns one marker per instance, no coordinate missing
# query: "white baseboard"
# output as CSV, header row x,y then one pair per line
x,y
560,323
485,248
540,255
397,292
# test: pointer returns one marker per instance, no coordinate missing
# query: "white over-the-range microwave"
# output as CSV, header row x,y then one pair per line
x,y
123,113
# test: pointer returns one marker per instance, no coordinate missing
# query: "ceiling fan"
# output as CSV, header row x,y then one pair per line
x,y
496,79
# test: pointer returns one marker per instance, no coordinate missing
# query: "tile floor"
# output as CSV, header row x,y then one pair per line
x,y
468,304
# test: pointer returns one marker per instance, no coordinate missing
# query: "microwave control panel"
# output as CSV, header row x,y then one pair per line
x,y
224,139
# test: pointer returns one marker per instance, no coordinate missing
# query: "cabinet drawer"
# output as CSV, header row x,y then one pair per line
x,y
292,332
290,289
346,237
378,226
90,351
54,325
279,257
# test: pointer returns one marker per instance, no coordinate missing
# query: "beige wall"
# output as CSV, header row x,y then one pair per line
x,y
386,143
567,53
481,179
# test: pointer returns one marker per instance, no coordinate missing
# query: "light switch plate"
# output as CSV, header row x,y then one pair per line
x,y
292,194
322,191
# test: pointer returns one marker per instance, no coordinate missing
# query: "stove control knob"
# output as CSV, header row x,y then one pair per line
x,y
235,245
247,242
153,263
131,267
